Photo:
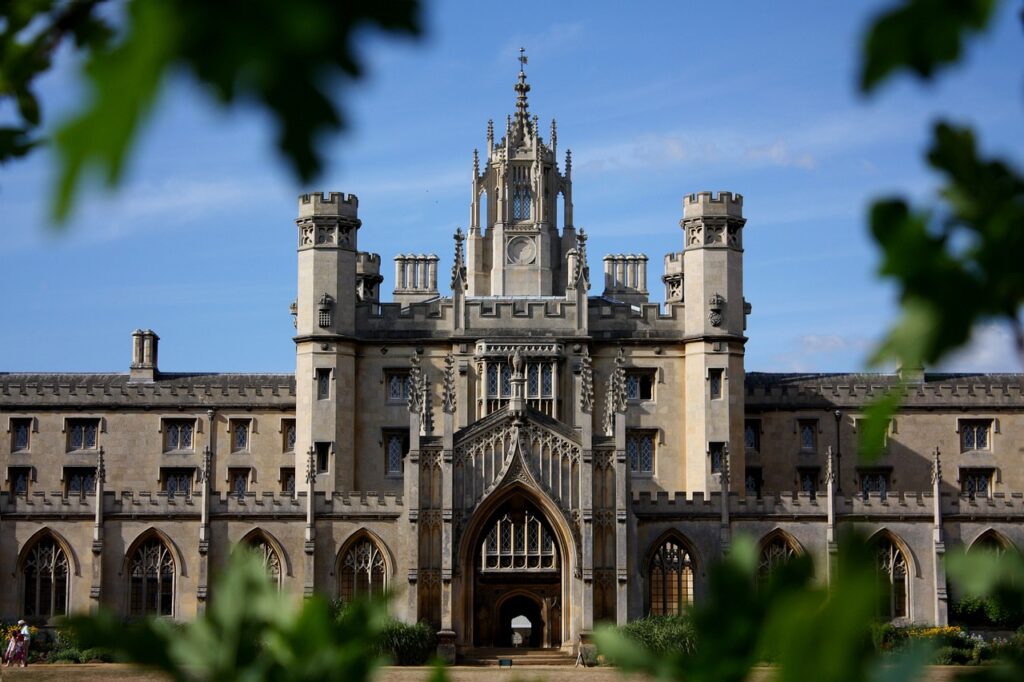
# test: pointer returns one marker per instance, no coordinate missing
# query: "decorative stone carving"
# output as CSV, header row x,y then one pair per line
x,y
448,398
416,386
716,304
459,282
521,250
586,384
615,396
936,467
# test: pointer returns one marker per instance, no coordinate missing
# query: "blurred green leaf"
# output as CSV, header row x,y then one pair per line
x,y
125,81
293,59
874,428
958,266
920,35
250,632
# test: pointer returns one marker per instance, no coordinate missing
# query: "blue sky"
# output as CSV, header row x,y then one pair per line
x,y
656,101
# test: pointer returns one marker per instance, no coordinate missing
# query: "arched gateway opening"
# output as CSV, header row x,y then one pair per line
x,y
517,567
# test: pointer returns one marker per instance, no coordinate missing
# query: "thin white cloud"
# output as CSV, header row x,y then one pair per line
x,y
778,153
552,40
991,349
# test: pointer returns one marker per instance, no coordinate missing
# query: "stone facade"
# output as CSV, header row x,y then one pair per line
x,y
513,448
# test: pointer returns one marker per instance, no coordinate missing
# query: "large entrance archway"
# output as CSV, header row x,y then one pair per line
x,y
518,569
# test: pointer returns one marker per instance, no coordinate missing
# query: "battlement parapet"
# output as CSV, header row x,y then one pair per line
x,y
328,204
853,390
367,263
360,503
108,391
701,204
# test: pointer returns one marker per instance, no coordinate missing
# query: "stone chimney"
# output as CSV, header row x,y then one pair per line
x,y
144,355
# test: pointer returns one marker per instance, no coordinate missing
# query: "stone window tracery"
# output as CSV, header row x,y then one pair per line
x,y
640,451
240,435
808,429
670,579
774,553
752,435
518,544
893,572
177,481
363,571
975,434
151,574
82,434
288,435
874,482
79,480
268,555
45,580
397,384
539,388
396,444
640,385
976,482
178,434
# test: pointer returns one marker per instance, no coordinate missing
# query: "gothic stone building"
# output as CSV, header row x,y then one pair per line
x,y
518,447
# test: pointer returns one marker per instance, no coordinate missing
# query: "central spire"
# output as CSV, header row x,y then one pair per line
x,y
523,126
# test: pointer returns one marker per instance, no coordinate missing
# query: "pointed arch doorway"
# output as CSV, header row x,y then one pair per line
x,y
518,568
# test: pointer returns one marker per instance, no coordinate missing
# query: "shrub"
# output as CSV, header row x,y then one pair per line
x,y
951,655
663,635
97,654
589,654
69,655
408,644
887,636
987,611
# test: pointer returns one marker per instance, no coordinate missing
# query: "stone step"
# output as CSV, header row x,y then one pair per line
x,y
491,656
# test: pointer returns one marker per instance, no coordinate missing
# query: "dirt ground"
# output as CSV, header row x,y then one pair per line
x,y
101,672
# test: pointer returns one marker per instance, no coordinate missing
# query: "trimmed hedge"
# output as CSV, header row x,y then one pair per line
x,y
663,635
407,644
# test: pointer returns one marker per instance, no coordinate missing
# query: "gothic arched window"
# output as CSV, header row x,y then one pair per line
x,y
363,571
894,574
260,546
151,572
521,203
45,580
670,576
774,553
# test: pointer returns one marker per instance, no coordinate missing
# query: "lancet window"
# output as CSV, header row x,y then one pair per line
x,y
45,580
363,571
518,545
151,571
670,579
892,571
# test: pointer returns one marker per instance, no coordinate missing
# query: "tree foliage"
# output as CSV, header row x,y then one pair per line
x,y
251,632
289,58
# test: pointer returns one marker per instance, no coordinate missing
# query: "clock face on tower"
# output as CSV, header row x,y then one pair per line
x,y
521,251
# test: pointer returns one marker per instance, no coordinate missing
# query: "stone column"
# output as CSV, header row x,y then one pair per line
x,y
310,543
446,637
724,531
584,407
831,545
96,589
621,557
206,475
939,566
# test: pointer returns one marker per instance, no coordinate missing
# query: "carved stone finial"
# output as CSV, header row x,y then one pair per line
x,y
829,472
205,472
476,164
587,381
459,282
936,467
311,468
582,275
726,467
568,162
448,400
554,135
